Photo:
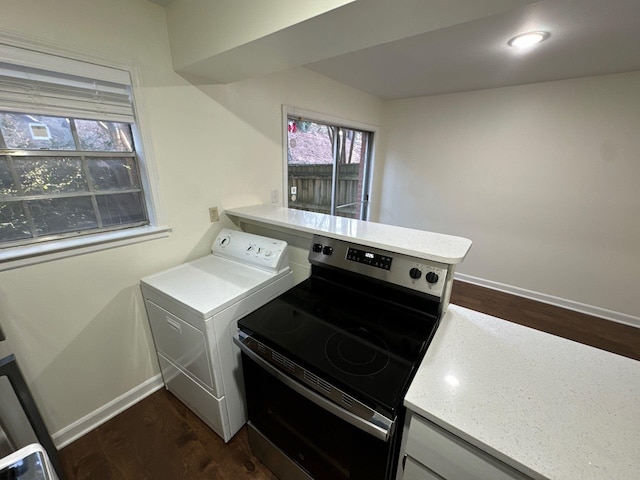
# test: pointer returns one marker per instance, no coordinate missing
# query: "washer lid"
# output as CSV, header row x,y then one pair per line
x,y
210,284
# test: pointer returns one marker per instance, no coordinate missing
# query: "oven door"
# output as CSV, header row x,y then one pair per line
x,y
298,436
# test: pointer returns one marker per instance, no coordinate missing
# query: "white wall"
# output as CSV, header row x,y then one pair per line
x,y
77,325
543,178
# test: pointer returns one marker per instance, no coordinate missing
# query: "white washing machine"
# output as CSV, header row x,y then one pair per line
x,y
193,309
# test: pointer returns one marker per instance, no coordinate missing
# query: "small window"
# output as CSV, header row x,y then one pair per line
x,y
83,178
328,167
39,131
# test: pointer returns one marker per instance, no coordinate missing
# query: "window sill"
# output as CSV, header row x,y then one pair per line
x,y
17,257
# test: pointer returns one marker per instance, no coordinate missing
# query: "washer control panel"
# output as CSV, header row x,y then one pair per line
x,y
261,252
404,270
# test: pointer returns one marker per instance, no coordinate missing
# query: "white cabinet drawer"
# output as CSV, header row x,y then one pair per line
x,y
414,471
451,457
181,343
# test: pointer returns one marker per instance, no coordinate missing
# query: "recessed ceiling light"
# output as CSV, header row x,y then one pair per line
x,y
528,39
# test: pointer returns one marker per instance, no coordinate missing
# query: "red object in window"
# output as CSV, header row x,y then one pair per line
x,y
292,127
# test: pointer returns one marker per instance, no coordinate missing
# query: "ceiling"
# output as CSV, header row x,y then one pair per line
x,y
587,37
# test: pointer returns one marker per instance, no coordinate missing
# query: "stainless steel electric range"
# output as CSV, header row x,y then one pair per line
x,y
327,364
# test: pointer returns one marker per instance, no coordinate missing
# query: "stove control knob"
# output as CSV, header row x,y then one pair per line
x,y
327,250
432,277
415,273
317,247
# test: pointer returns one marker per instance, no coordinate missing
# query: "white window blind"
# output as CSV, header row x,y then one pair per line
x,y
33,82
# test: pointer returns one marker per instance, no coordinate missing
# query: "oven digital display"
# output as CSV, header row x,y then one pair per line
x,y
369,258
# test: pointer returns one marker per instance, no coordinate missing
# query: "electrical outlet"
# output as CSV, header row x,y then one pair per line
x,y
213,214
274,196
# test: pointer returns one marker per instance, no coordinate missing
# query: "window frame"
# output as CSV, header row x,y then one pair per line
x,y
84,157
38,252
288,111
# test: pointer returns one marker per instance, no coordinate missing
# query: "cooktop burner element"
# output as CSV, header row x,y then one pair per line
x,y
347,352
282,321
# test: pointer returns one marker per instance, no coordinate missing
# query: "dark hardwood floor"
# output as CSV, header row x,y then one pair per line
x,y
596,332
160,439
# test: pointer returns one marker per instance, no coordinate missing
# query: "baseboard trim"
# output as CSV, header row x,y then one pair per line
x,y
84,425
550,299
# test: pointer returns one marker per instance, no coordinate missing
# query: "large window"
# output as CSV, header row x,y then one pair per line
x,y
66,176
69,163
328,167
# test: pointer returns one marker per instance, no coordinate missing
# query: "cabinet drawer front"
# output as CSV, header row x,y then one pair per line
x,y
414,471
451,457
181,343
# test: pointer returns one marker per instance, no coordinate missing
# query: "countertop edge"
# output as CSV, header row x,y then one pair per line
x,y
450,249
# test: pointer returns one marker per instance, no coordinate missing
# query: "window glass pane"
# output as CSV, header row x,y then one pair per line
x,y
50,175
13,222
7,185
310,165
350,146
113,173
310,143
36,132
348,190
59,215
121,208
102,136
350,176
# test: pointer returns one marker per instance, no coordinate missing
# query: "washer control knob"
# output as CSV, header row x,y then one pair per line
x,y
317,247
432,277
267,253
415,273
327,250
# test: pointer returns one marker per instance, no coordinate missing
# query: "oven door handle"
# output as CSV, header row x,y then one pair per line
x,y
319,400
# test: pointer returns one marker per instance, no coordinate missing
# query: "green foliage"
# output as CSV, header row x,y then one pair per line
x,y
70,189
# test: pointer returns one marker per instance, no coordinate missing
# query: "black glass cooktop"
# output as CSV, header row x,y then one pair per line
x,y
365,345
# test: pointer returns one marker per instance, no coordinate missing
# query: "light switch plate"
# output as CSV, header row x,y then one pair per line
x,y
213,214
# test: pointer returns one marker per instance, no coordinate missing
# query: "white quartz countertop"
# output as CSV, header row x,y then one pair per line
x,y
427,245
550,407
